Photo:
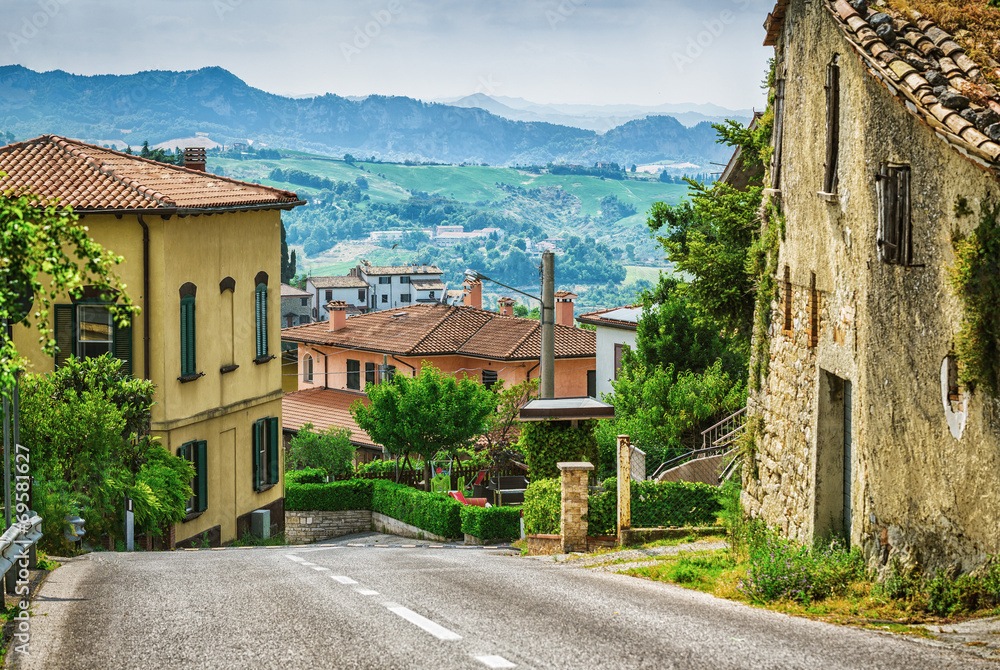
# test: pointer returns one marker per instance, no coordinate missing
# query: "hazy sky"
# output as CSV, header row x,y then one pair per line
x,y
555,51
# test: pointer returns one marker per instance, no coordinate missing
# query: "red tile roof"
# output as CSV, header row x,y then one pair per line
x,y
425,330
929,73
324,408
88,177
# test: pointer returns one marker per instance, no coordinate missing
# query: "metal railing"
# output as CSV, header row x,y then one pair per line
x,y
17,540
726,431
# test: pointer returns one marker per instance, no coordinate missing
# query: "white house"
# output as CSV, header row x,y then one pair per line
x,y
616,328
350,288
395,286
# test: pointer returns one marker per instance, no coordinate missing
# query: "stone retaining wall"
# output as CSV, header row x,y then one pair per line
x,y
306,527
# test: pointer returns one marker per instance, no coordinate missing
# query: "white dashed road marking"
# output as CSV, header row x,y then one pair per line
x,y
307,563
494,661
342,579
366,592
319,568
438,631
293,557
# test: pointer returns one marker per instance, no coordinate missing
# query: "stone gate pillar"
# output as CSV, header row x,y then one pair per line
x,y
574,505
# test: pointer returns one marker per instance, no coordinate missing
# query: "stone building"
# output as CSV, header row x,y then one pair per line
x,y
883,128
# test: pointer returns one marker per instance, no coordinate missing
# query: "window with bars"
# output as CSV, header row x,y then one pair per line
x,y
88,329
353,375
260,316
893,188
265,455
196,453
489,378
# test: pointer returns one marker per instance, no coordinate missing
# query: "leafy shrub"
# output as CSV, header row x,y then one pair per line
x,y
329,450
898,584
381,467
783,569
602,509
542,507
492,523
331,497
305,476
674,504
546,443
432,512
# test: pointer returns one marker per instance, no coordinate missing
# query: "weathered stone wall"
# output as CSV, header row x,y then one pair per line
x,y
917,491
309,527
387,524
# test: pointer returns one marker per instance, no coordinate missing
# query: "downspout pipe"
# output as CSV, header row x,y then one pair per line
x,y
413,370
145,296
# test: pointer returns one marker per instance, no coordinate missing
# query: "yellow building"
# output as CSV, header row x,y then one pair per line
x,y
202,261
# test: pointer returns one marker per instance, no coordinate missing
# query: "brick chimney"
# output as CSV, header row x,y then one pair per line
x,y
194,158
564,308
337,310
506,306
473,293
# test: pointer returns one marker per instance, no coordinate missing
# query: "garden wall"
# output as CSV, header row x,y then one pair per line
x,y
306,527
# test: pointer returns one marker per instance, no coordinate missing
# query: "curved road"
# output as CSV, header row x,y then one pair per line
x,y
337,606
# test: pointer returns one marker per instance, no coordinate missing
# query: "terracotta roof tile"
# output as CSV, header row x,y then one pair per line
x,y
293,292
909,65
444,329
347,281
88,177
324,408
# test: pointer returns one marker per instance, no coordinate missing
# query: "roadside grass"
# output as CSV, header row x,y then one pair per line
x,y
249,540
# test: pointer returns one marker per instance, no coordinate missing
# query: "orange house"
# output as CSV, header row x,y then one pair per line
x,y
345,355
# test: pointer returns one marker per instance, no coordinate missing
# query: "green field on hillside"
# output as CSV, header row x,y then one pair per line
x,y
389,182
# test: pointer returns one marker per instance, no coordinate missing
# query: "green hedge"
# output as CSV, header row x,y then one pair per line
x,y
541,507
432,512
331,497
653,504
305,476
492,523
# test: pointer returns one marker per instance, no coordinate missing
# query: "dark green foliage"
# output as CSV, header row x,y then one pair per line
x,y
432,512
329,497
329,450
287,260
602,510
305,476
898,584
545,443
975,279
656,504
492,523
338,190
541,507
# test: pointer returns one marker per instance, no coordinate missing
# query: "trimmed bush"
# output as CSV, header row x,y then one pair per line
x,y
545,443
492,523
602,510
432,512
305,476
674,504
542,507
331,497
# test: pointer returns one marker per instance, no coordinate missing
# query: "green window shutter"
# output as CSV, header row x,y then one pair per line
x,y
273,444
260,315
65,333
201,476
257,436
123,346
189,365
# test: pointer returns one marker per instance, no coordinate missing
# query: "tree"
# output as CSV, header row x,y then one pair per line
x,y
45,253
287,260
88,427
425,414
502,427
329,450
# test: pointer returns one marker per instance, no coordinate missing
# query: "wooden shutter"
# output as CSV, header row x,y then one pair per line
x,y
258,436
260,317
273,442
123,346
832,127
188,360
201,476
369,373
903,214
65,333
779,122
895,211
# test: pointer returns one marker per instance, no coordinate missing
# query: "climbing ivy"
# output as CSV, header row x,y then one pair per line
x,y
763,262
546,443
975,280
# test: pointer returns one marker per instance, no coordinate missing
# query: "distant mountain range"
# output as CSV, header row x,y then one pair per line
x,y
212,103
600,118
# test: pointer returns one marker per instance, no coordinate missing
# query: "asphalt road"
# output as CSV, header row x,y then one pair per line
x,y
335,606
